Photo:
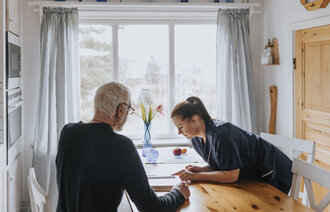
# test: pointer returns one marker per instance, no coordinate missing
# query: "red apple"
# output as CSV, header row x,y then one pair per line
x,y
177,152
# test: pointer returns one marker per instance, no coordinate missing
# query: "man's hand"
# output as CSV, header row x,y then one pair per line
x,y
183,188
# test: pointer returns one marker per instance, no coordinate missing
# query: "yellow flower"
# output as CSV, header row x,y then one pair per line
x,y
145,102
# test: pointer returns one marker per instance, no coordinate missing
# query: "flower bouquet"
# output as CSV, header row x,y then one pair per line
x,y
147,115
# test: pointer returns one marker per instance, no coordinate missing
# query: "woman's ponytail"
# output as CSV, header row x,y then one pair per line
x,y
192,106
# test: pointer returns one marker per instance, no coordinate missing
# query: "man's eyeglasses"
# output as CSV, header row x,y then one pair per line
x,y
131,110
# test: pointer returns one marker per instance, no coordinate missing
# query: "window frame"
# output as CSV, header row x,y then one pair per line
x,y
158,140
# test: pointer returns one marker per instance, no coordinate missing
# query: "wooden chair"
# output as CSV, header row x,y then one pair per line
x,y
293,147
310,172
38,196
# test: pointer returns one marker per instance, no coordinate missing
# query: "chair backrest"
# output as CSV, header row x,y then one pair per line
x,y
293,147
310,172
38,196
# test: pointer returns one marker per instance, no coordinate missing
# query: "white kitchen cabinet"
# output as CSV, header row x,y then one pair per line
x,y
2,178
3,154
14,188
14,16
2,190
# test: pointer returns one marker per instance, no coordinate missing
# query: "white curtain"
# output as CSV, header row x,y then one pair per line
x,y
235,91
59,92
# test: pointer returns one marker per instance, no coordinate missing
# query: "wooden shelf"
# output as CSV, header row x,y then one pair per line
x,y
314,5
273,64
273,45
275,52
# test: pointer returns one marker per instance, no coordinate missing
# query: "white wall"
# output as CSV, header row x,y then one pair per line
x,y
31,64
280,17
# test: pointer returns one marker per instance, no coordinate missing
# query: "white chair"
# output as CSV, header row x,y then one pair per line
x,y
310,172
126,204
293,147
38,196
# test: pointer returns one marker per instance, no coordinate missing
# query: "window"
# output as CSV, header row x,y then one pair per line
x,y
174,60
144,62
96,63
195,51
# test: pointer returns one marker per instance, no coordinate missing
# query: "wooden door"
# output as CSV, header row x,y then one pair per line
x,y
312,94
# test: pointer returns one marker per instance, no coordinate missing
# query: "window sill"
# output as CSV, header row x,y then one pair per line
x,y
164,142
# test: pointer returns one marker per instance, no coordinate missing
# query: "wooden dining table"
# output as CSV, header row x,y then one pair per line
x,y
244,195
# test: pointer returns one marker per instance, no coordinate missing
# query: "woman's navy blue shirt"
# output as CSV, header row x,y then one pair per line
x,y
228,147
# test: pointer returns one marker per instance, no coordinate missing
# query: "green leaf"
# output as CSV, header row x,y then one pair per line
x,y
143,112
150,114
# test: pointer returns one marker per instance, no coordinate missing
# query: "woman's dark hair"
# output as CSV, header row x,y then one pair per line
x,y
192,106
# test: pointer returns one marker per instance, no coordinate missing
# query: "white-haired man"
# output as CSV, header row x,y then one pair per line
x,y
95,165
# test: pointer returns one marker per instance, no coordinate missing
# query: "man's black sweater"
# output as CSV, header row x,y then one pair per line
x,y
95,165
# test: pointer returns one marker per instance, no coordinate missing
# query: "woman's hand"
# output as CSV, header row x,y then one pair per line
x,y
186,175
184,189
208,175
194,168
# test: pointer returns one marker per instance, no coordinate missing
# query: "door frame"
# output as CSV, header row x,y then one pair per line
x,y
293,27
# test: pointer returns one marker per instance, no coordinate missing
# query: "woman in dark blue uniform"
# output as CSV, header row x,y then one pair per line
x,y
230,152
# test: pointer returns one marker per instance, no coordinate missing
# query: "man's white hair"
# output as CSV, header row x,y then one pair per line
x,y
109,96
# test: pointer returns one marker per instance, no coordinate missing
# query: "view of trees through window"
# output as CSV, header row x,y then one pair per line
x,y
195,66
96,63
144,62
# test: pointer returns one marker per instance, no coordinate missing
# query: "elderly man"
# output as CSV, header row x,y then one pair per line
x,y
94,164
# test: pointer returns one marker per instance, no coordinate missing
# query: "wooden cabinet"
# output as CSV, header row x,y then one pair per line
x,y
14,180
13,10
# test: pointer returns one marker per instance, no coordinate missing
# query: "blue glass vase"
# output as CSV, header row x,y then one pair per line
x,y
152,155
146,138
148,152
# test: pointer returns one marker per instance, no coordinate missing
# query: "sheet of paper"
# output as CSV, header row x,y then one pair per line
x,y
164,184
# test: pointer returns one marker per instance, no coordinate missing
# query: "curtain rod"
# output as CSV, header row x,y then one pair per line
x,y
144,7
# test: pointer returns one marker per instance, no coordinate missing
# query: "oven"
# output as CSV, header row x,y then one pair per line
x,y
14,116
14,73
